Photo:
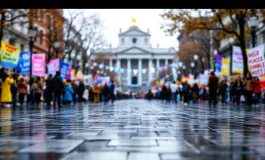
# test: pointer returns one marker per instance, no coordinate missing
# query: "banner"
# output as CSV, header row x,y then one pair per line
x,y
38,65
237,60
225,67
218,63
53,66
24,63
256,61
10,55
69,73
203,79
64,69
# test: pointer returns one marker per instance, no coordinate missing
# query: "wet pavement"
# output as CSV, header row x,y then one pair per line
x,y
133,130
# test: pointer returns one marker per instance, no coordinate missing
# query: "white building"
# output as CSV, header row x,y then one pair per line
x,y
135,53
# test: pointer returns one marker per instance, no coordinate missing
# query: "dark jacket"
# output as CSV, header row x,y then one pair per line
x,y
223,88
105,90
49,84
58,83
213,83
81,88
112,88
238,86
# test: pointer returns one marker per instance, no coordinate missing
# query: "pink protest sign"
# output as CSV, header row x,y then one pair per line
x,y
69,73
53,66
38,65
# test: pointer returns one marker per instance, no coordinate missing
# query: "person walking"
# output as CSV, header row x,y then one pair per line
x,y
105,93
14,89
49,90
75,89
238,88
68,93
257,90
112,90
58,88
232,90
6,96
195,92
22,90
186,92
174,92
249,83
81,90
223,90
96,91
37,90
213,87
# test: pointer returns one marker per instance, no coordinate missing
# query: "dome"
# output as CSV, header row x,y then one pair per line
x,y
134,27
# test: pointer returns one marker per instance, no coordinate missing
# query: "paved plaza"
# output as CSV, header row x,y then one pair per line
x,y
133,130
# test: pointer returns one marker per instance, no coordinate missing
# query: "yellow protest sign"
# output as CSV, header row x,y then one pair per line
x,y
225,67
10,55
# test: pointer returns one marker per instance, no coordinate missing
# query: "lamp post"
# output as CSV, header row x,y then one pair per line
x,y
203,61
192,65
31,36
195,57
215,54
253,23
57,47
184,70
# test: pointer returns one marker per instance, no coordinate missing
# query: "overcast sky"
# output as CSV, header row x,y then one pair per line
x,y
114,19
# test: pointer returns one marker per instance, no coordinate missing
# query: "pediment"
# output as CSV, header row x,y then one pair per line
x,y
134,50
134,32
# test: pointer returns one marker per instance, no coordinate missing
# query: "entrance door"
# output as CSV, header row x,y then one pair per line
x,y
134,80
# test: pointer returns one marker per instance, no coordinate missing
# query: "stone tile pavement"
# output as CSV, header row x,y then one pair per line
x,y
133,130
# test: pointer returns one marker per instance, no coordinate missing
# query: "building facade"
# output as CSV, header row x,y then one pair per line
x,y
135,53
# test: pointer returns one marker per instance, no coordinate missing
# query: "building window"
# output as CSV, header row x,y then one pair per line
x,y
41,37
134,40
35,38
146,41
48,21
122,41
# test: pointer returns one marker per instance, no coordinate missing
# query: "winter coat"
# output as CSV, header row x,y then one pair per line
x,y
68,93
213,83
223,88
6,90
81,88
257,87
58,83
105,90
49,84
22,87
238,86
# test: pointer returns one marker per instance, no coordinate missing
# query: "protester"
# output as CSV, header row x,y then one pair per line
x,y
213,87
223,90
105,93
68,93
49,90
186,92
14,89
174,91
37,90
6,96
75,89
195,92
22,90
96,92
58,88
257,90
90,94
149,95
111,90
249,83
232,90
239,87
28,92
80,90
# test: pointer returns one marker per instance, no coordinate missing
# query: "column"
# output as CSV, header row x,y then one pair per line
x,y
118,66
129,78
157,66
139,72
150,66
166,62
110,62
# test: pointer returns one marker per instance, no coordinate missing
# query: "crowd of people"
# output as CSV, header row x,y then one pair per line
x,y
53,89
248,89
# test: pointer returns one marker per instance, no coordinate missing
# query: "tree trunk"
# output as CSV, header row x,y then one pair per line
x,y
243,45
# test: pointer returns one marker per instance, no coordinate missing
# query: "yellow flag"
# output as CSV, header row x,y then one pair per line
x,y
133,20
225,67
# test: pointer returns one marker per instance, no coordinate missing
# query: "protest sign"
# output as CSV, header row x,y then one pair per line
x,y
24,63
38,65
9,55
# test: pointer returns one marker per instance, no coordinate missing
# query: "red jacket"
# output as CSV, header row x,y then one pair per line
x,y
257,88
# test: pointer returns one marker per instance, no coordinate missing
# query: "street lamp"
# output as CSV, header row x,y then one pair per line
x,y
195,57
31,36
192,64
253,22
203,62
57,47
184,70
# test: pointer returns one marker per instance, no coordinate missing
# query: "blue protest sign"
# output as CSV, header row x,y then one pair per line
x,y
24,63
63,69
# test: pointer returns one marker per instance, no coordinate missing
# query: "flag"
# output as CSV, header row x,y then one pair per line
x,y
133,20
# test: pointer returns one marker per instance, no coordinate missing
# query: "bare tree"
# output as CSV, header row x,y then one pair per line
x,y
9,17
